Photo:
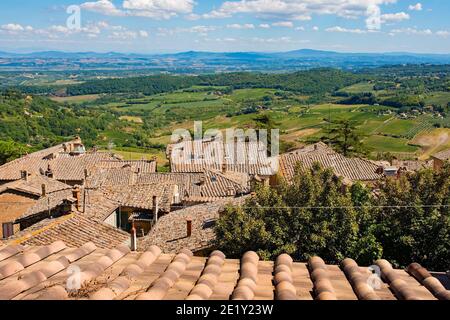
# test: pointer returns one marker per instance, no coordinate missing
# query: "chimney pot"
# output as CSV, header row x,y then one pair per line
x,y
44,190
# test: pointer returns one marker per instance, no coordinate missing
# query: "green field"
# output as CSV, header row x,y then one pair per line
x,y
388,144
299,123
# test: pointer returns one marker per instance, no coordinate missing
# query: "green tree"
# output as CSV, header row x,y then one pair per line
x,y
413,219
343,136
314,215
9,150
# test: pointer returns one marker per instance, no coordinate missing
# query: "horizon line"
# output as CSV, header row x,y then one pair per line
x,y
213,51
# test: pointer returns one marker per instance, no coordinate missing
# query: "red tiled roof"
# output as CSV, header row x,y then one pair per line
x,y
33,185
443,155
353,169
73,229
249,159
40,273
170,233
32,162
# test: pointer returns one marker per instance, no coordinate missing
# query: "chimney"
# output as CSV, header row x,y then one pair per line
x,y
316,147
24,175
155,207
224,168
76,193
49,172
8,229
44,191
133,242
189,228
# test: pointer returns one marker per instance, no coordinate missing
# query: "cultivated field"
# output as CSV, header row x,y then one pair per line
x,y
382,131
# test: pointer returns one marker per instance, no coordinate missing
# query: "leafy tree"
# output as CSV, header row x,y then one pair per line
x,y
413,223
9,150
407,220
312,216
344,137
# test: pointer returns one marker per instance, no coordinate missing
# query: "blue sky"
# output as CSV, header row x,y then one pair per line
x,y
157,26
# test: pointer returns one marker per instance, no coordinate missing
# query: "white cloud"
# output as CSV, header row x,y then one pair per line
x,y
278,40
285,24
443,33
412,31
155,9
315,28
345,30
12,27
394,17
105,7
416,7
300,28
123,35
295,9
264,26
241,26
143,33
59,29
200,30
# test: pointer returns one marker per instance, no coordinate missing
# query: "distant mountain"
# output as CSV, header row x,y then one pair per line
x,y
204,62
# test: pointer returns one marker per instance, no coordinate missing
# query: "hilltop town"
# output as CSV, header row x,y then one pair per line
x,y
69,197
67,184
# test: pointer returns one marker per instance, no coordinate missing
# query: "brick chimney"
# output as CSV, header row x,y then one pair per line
x,y
44,191
224,168
155,208
76,193
133,242
49,172
24,175
189,227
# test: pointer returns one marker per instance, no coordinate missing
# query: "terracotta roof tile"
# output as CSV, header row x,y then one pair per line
x,y
41,273
443,155
64,166
74,229
250,159
170,232
353,169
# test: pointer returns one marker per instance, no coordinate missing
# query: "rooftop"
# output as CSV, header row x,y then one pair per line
x,y
192,187
41,273
73,229
201,155
170,233
352,169
58,162
443,155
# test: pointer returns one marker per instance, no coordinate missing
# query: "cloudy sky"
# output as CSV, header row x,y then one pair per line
x,y
157,26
